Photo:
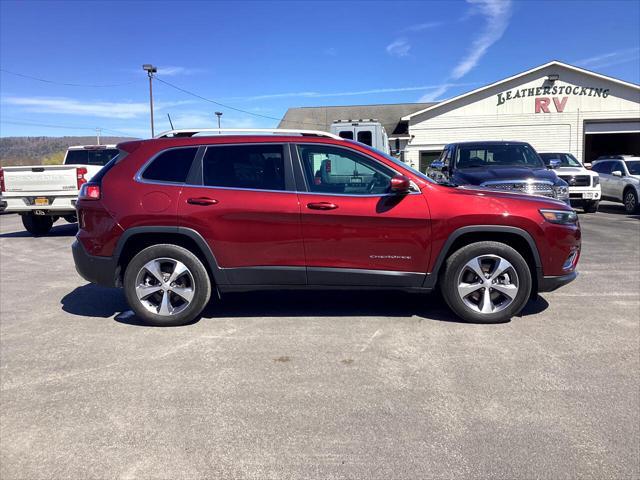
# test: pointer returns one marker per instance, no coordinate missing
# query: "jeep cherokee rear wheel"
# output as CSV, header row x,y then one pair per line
x,y
486,282
166,285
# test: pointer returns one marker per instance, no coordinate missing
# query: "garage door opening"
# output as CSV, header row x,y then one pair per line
x,y
611,138
611,144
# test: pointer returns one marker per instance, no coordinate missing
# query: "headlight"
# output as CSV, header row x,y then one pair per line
x,y
596,180
561,217
561,192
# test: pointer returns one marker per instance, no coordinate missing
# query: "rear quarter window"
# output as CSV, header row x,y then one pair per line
x,y
171,166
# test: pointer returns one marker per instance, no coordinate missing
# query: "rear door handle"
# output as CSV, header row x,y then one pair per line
x,y
202,201
322,206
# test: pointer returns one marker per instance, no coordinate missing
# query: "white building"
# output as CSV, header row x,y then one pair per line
x,y
556,107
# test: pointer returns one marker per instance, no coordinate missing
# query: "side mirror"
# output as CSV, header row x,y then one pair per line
x,y
438,165
587,166
400,184
616,173
554,163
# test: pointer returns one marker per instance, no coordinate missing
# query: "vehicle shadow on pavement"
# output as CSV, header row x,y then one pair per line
x,y
93,301
61,230
613,209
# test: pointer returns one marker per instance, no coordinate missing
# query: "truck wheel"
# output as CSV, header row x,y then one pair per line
x,y
71,218
630,199
486,282
166,285
590,207
37,225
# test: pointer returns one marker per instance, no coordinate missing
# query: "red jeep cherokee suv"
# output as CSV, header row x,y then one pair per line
x,y
171,218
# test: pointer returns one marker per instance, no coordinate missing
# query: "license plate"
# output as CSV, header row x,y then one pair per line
x,y
589,195
41,202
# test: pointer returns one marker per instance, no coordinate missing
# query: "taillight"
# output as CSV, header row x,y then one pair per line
x,y
89,191
81,172
2,187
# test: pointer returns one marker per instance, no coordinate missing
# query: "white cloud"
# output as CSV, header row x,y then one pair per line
x,y
70,106
496,13
399,47
344,94
421,26
172,71
435,94
610,59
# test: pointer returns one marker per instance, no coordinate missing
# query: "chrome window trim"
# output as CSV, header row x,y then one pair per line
x,y
140,179
188,185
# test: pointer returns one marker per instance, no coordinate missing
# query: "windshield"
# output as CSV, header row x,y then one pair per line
x,y
499,155
396,161
90,157
633,167
565,159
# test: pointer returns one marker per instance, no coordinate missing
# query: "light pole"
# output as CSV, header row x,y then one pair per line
x,y
150,69
218,114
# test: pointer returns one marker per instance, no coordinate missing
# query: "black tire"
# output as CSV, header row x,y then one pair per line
x,y
37,225
71,218
590,206
199,282
455,268
630,200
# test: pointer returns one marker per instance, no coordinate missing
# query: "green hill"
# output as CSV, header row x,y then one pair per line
x,y
44,150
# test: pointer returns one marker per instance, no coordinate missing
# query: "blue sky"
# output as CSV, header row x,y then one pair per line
x,y
263,57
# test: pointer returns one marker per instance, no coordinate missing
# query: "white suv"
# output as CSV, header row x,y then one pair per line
x,y
620,175
584,185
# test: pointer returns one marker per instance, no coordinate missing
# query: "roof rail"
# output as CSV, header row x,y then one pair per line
x,y
190,132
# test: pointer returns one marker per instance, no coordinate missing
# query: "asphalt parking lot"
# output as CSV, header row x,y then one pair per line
x,y
319,385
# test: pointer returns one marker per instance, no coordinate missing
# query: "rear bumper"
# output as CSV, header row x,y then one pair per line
x,y
25,204
99,270
549,284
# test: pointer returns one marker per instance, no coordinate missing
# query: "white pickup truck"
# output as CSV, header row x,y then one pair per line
x,y
584,185
41,194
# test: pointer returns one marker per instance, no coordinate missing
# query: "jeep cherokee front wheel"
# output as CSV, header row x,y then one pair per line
x,y
166,285
486,282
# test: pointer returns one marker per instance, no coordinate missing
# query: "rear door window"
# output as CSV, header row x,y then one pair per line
x,y
256,167
171,166
90,157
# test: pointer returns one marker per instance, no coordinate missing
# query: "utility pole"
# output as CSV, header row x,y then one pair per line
x,y
150,69
218,114
98,131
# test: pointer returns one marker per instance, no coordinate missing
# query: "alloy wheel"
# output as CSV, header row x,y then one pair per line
x,y
488,284
165,286
630,201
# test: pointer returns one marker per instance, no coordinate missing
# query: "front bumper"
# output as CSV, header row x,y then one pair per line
x,y
102,271
578,194
549,284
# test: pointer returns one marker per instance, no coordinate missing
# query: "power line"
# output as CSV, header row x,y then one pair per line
x,y
68,127
230,107
44,80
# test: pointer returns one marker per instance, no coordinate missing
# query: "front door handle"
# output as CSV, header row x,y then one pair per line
x,y
322,206
202,201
